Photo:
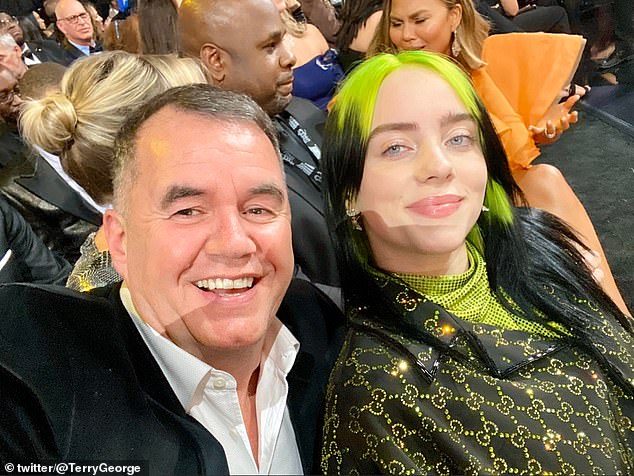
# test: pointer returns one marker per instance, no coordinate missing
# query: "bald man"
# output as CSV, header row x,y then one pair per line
x,y
74,22
241,43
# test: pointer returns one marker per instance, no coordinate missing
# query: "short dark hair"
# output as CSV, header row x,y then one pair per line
x,y
40,78
200,99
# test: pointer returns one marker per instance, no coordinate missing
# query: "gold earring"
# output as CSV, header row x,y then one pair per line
x,y
354,216
455,45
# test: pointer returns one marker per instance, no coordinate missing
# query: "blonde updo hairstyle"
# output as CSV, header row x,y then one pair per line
x,y
79,123
471,33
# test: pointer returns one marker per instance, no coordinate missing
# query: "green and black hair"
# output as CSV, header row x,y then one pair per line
x,y
527,251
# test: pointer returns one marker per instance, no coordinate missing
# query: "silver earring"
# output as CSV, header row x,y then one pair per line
x,y
354,218
485,208
455,45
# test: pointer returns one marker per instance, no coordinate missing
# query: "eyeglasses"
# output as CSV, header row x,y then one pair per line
x,y
8,21
74,19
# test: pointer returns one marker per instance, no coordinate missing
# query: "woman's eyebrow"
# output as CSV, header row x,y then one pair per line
x,y
393,126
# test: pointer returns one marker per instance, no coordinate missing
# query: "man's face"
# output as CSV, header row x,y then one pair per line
x,y
258,61
205,243
73,20
11,59
9,24
8,99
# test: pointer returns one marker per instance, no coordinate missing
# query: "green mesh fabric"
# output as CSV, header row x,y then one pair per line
x,y
469,297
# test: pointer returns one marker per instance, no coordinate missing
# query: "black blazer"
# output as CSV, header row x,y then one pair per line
x,y
23,256
74,52
48,51
312,244
57,214
77,382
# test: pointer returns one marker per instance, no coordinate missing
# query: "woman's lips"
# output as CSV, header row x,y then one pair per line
x,y
439,206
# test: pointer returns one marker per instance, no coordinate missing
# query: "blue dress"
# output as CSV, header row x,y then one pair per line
x,y
316,80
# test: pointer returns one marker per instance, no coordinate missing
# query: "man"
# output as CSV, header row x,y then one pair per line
x,y
35,53
241,43
11,55
185,365
74,22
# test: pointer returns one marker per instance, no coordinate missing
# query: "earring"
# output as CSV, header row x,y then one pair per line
x,y
485,208
354,218
455,45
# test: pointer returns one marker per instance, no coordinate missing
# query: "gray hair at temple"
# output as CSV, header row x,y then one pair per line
x,y
7,41
203,100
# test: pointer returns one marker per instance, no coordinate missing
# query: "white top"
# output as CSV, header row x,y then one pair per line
x,y
210,396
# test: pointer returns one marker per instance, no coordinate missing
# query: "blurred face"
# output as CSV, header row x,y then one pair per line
x,y
11,59
9,24
9,101
424,176
257,61
74,21
205,244
423,25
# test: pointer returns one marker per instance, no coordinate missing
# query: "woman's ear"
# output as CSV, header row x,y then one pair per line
x,y
213,59
455,16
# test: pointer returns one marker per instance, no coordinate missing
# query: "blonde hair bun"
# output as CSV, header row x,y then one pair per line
x,y
49,122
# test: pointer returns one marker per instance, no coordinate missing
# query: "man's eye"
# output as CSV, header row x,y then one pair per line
x,y
187,212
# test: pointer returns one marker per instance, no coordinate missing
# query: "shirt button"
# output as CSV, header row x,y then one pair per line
x,y
220,383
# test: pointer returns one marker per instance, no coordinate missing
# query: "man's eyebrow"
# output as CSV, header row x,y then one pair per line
x,y
178,192
267,189
273,36
393,126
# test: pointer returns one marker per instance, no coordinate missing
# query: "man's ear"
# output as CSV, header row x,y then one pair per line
x,y
114,229
214,60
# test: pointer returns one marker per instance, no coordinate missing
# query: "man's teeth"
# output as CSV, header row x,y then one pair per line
x,y
220,283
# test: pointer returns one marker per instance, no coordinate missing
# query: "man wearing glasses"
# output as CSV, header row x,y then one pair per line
x,y
74,22
36,51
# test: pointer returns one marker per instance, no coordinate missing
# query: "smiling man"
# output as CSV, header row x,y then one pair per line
x,y
243,47
191,364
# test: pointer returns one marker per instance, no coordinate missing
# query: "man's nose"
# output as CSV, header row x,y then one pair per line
x,y
230,236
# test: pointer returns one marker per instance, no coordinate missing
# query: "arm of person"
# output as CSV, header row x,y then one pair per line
x,y
510,7
40,264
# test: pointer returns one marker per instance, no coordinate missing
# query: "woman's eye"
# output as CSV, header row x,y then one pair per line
x,y
393,150
420,20
461,140
395,24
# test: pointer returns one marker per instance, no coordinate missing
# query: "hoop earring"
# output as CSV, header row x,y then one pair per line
x,y
354,218
455,45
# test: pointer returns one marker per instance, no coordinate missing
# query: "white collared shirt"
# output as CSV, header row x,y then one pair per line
x,y
29,61
210,396
56,163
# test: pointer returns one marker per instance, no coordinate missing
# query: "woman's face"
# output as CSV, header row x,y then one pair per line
x,y
424,176
423,24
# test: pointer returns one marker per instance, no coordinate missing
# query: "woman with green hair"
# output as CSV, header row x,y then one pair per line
x,y
478,341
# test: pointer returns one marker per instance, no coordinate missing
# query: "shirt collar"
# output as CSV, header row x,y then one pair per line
x,y
184,372
84,49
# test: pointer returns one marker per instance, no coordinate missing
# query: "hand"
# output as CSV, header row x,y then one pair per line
x,y
557,120
592,260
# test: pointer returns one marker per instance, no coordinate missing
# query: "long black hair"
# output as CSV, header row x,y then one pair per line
x,y
353,15
532,257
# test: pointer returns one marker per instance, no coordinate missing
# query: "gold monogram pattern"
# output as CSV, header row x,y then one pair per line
x,y
501,401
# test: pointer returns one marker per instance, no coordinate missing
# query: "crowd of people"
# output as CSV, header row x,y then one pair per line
x,y
299,237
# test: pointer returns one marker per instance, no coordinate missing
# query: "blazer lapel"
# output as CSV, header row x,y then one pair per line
x,y
49,186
